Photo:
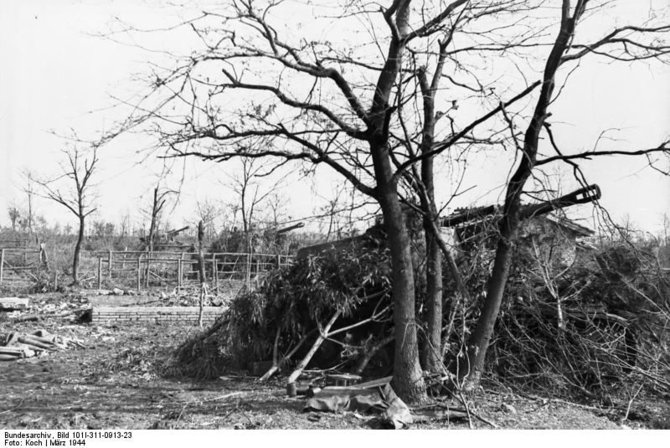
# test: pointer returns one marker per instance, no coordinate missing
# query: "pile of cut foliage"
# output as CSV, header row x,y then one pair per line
x,y
596,329
579,320
589,322
284,314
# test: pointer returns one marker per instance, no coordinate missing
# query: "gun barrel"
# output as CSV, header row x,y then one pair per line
x,y
289,228
176,231
582,196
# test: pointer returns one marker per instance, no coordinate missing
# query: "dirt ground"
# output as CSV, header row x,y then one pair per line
x,y
119,380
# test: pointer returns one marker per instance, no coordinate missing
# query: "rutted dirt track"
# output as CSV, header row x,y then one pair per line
x,y
120,381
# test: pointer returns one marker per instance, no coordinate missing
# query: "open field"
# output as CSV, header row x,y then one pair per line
x,y
121,380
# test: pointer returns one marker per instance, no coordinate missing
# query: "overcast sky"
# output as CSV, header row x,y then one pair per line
x,y
56,73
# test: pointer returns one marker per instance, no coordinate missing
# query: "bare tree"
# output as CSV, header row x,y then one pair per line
x,y
157,205
565,49
331,210
124,227
251,194
29,184
207,213
340,104
14,215
78,168
277,205
342,211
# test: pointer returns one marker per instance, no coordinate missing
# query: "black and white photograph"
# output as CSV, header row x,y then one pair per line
x,y
309,215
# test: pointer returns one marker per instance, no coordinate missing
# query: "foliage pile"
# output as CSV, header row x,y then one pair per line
x,y
595,328
289,306
579,320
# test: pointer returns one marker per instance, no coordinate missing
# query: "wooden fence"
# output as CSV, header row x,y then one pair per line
x,y
141,269
145,269
14,260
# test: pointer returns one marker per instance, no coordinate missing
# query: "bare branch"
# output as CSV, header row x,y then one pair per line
x,y
662,148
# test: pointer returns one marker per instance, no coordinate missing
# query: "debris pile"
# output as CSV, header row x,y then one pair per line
x,y
15,346
35,309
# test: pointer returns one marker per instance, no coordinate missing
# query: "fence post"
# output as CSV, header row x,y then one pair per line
x,y
180,271
110,261
2,263
44,257
139,272
215,273
248,273
99,272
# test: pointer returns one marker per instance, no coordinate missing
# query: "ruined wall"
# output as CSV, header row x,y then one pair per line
x,y
114,315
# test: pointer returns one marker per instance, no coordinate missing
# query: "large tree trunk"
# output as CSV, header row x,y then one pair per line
x,y
478,343
479,340
432,351
77,252
407,375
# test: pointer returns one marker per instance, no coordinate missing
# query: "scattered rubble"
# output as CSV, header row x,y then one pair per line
x,y
15,346
31,309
